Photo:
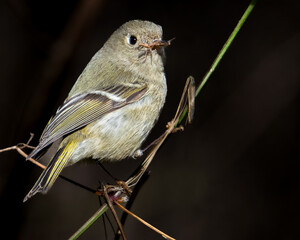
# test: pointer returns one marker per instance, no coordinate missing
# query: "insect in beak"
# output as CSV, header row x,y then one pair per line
x,y
155,45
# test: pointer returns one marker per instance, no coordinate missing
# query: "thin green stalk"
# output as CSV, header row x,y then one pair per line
x,y
89,222
224,49
222,52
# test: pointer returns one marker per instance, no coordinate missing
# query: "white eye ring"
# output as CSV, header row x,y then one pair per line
x,y
131,40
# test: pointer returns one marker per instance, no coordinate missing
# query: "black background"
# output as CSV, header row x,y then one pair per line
x,y
232,174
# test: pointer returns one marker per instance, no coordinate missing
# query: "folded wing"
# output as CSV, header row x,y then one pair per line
x,y
82,109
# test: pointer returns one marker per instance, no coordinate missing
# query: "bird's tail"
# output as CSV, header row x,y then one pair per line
x,y
52,171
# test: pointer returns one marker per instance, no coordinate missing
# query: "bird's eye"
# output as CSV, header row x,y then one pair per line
x,y
132,40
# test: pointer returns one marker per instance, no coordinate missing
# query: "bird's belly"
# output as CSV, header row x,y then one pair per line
x,y
117,135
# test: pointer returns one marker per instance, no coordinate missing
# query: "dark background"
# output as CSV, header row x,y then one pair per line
x,y
232,174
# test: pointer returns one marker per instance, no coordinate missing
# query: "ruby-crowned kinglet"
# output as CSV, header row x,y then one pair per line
x,y
113,105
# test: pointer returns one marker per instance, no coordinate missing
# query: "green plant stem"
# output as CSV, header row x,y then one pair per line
x,y
89,222
222,52
104,207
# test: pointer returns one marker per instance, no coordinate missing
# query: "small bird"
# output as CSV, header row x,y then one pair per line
x,y
113,105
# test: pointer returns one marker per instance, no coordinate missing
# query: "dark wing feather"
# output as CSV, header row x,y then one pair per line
x,y
82,109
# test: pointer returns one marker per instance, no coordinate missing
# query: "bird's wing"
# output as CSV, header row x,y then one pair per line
x,y
82,109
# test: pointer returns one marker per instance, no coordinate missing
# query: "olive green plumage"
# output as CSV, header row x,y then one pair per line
x,y
112,106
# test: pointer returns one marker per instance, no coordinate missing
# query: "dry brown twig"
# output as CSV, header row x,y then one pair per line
x,y
112,209
21,146
143,221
